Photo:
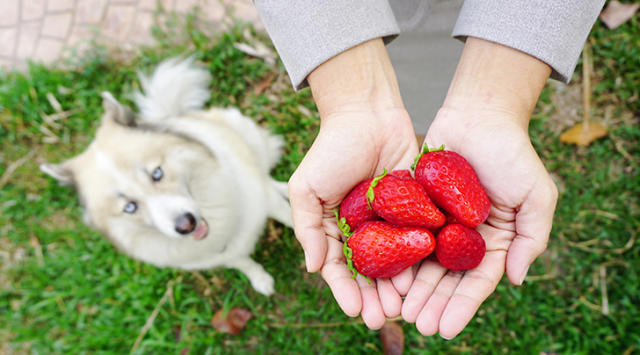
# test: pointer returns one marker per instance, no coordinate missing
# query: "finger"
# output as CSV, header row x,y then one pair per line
x,y
533,225
474,287
402,282
372,313
390,299
428,320
307,223
345,289
429,274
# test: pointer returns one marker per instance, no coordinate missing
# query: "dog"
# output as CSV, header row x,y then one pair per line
x,y
180,186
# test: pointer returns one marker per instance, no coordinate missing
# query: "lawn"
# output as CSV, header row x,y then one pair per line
x,y
65,290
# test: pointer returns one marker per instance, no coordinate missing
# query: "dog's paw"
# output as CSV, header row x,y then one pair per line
x,y
263,284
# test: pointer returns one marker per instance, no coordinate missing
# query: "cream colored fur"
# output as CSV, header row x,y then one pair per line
x,y
215,166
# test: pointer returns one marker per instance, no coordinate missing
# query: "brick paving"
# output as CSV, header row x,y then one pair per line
x,y
43,30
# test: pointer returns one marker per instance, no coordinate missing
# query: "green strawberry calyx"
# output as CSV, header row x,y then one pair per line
x,y
348,252
374,183
425,150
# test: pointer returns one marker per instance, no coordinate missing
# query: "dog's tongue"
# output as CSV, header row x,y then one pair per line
x,y
201,231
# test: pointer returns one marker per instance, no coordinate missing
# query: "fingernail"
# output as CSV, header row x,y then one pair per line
x,y
306,260
445,338
524,274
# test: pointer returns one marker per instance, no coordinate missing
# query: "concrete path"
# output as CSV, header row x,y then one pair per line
x,y
425,55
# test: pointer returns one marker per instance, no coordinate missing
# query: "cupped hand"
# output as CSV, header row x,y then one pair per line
x,y
523,198
352,145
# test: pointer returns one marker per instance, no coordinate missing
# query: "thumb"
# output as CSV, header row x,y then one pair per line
x,y
533,225
307,214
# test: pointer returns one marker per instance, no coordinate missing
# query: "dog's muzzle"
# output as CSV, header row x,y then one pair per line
x,y
187,224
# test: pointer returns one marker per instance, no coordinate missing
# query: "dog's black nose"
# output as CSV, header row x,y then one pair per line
x,y
185,223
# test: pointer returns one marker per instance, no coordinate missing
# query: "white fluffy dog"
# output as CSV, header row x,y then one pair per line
x,y
181,186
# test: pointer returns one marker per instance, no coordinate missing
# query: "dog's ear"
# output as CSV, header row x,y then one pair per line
x,y
61,172
115,111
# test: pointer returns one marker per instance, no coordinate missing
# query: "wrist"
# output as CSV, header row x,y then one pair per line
x,y
494,77
360,78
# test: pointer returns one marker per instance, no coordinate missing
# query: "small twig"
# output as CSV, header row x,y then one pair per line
x,y
618,145
603,290
622,250
37,248
325,325
586,88
13,167
149,323
54,102
52,118
615,262
542,277
590,305
50,136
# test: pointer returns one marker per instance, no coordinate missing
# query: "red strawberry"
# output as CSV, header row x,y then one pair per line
x,y
459,247
453,185
403,173
403,201
381,250
354,208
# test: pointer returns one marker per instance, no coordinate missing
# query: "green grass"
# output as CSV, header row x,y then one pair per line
x,y
65,290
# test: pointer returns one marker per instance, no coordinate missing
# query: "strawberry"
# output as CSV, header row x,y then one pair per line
x,y
403,201
380,250
354,207
453,185
403,173
459,247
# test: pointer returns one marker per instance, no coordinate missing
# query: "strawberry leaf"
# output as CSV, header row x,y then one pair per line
x,y
342,223
425,149
374,183
348,252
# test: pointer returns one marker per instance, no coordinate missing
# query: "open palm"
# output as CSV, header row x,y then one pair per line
x,y
523,198
351,146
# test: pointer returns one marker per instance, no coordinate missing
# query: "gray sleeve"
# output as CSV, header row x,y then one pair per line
x,y
308,32
552,31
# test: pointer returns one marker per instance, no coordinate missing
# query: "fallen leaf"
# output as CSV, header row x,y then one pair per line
x,y
616,13
231,321
263,85
583,136
392,338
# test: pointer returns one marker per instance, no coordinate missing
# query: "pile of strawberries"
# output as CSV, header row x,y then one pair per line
x,y
390,221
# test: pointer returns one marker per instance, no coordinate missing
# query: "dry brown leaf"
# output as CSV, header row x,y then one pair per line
x,y
583,136
263,85
616,13
232,321
392,338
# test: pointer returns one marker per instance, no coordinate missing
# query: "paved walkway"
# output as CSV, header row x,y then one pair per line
x,y
41,30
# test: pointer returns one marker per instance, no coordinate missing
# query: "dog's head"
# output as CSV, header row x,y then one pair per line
x,y
134,180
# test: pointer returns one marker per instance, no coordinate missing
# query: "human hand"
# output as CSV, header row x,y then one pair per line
x,y
485,119
364,128
523,200
350,147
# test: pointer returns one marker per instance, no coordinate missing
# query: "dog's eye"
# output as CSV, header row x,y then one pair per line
x,y
157,174
131,207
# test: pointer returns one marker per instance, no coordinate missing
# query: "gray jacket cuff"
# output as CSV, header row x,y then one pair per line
x,y
552,31
306,33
